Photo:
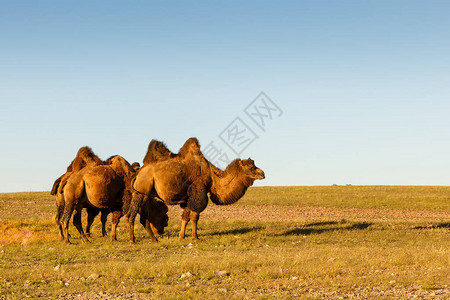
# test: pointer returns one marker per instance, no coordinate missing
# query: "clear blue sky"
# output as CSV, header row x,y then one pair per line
x,y
363,85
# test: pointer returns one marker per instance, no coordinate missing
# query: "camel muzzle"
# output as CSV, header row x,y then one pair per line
x,y
261,174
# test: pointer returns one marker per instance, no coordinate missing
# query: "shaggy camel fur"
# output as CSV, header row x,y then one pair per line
x,y
85,157
103,186
153,213
186,178
99,186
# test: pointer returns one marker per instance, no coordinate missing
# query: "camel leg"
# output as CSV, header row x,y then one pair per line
x,y
131,219
136,203
104,218
194,220
197,202
64,222
59,214
61,232
92,213
116,215
78,226
184,222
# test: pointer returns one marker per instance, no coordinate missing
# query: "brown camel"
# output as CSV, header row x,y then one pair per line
x,y
105,187
101,186
153,212
186,178
85,157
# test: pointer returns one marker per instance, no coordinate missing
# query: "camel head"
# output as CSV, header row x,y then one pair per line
x,y
136,166
250,170
157,215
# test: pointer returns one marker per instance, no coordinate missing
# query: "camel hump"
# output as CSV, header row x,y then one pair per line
x,y
157,151
84,157
110,159
121,166
190,147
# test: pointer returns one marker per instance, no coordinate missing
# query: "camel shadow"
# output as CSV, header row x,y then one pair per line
x,y
309,229
434,226
324,223
236,231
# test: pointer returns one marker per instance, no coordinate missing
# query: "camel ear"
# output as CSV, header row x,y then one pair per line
x,y
247,162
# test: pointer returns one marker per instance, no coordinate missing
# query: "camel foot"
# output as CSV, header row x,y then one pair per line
x,y
87,241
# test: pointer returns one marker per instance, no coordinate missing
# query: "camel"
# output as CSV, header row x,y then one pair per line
x,y
153,211
186,179
103,187
85,157
76,190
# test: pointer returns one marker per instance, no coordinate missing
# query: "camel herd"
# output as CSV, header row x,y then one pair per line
x,y
114,186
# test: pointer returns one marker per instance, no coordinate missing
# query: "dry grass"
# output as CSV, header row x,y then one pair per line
x,y
314,259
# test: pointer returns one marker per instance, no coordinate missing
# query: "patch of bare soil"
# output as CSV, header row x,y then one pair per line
x,y
267,213
411,292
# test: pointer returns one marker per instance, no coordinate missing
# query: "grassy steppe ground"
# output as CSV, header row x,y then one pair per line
x,y
286,242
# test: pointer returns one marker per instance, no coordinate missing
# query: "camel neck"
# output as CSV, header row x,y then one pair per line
x,y
229,187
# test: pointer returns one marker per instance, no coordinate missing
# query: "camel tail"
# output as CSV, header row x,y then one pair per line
x,y
63,184
55,186
133,179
